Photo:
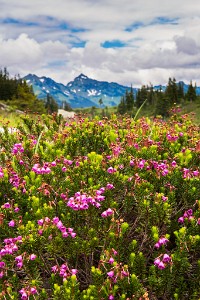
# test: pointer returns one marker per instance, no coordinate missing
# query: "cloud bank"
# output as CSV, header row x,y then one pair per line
x,y
129,42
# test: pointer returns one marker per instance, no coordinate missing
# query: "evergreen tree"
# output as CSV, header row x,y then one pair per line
x,y
150,95
191,93
8,87
51,105
26,101
180,91
121,109
162,106
141,96
129,100
100,101
171,92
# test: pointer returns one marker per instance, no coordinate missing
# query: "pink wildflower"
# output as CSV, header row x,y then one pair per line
x,y
111,274
2,264
11,223
6,205
166,258
164,198
33,290
196,173
181,220
107,213
157,261
24,296
40,222
109,186
33,257
111,260
161,266
141,164
111,170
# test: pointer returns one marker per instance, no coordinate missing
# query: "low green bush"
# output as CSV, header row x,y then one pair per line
x,y
100,209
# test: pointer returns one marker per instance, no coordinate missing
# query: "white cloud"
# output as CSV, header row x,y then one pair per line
x,y
41,39
22,51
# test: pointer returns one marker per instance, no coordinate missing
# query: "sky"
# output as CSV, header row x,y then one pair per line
x,y
131,42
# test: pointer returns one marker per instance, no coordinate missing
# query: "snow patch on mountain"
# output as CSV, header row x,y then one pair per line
x,y
92,92
83,76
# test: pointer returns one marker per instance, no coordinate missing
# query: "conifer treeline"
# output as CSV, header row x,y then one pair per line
x,y
160,101
19,95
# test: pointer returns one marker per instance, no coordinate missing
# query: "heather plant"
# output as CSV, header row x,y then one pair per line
x,y
100,209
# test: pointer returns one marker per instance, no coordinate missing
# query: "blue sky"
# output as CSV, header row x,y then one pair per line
x,y
130,42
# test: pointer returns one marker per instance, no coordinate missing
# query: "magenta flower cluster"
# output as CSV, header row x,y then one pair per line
x,y
10,246
28,291
20,259
63,271
17,182
82,201
41,170
7,205
45,169
172,138
162,263
161,168
118,271
188,215
107,213
114,270
16,209
162,241
187,173
44,223
17,148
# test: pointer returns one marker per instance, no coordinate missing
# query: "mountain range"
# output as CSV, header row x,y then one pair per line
x,y
83,91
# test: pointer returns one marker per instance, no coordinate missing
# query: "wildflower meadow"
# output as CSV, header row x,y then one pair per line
x,y
100,209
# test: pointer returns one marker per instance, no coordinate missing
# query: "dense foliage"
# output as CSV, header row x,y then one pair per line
x,y
101,209
160,101
20,96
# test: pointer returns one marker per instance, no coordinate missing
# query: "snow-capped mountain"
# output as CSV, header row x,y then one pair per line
x,y
84,91
81,92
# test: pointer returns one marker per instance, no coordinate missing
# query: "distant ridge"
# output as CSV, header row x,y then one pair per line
x,y
83,91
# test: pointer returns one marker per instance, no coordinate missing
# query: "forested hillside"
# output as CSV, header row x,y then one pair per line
x,y
158,100
154,100
16,93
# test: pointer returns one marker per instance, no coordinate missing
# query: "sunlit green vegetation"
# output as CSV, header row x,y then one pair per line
x,y
100,208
